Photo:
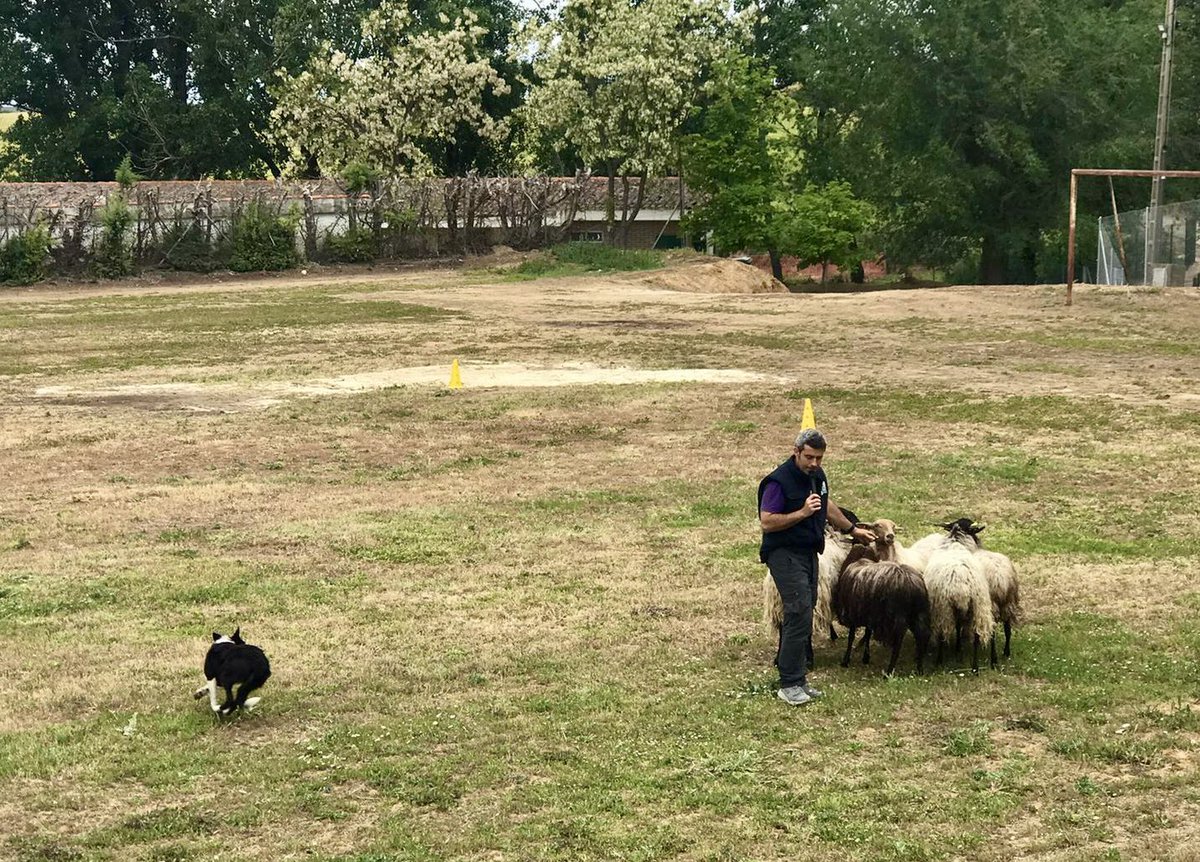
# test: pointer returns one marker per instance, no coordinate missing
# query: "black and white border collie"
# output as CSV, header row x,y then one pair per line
x,y
230,662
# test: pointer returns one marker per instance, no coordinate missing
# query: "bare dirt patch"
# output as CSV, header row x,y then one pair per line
x,y
714,275
223,397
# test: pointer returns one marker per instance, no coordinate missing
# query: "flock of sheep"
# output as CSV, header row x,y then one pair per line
x,y
945,587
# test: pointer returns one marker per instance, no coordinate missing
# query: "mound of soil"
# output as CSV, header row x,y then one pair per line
x,y
713,275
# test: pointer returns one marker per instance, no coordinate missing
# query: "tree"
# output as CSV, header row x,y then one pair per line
x,y
825,224
960,120
734,163
183,85
616,80
404,91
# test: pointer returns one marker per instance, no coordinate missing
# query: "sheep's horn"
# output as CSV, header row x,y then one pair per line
x,y
977,528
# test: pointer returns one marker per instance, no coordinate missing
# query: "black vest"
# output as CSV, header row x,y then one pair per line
x,y
809,534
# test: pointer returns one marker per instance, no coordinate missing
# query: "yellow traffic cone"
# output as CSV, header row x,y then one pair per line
x,y
808,421
455,378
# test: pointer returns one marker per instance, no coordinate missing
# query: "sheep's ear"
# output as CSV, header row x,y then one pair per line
x,y
976,529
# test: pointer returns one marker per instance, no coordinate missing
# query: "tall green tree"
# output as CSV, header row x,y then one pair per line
x,y
961,119
181,85
734,160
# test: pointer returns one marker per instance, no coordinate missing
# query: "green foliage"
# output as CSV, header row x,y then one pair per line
x,y
597,257
262,240
23,257
988,105
356,245
576,258
358,177
730,162
113,257
125,176
825,224
186,247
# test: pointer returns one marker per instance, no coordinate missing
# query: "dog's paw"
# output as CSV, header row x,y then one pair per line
x,y
200,692
251,702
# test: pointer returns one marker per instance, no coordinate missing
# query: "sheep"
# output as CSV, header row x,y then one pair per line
x,y
917,555
959,598
1001,577
876,591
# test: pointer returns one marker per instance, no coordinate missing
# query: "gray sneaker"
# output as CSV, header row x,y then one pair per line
x,y
794,695
812,692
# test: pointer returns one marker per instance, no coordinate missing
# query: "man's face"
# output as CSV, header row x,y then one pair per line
x,y
808,458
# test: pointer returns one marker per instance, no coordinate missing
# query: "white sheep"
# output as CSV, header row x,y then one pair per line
x,y
1001,574
959,598
918,554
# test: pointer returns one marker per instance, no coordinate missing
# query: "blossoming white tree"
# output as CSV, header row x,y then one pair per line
x,y
616,80
405,90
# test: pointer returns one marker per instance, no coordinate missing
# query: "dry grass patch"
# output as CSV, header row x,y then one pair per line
x,y
523,622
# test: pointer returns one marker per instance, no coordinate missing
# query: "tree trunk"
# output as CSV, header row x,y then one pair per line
x,y
610,204
824,270
625,212
631,214
991,262
776,264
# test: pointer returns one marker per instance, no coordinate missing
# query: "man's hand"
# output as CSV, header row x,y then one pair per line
x,y
811,506
862,535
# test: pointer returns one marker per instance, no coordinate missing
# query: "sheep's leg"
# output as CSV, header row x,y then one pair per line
x,y
922,646
1007,638
867,647
832,633
891,668
941,646
808,651
975,654
958,636
849,646
992,644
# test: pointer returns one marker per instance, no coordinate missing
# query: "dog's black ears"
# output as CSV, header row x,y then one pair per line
x,y
216,636
237,635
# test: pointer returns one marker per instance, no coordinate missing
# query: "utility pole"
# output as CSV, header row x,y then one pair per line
x,y
1167,31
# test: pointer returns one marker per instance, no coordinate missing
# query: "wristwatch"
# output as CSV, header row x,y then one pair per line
x,y
848,530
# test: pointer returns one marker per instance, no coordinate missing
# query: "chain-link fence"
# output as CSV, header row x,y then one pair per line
x,y
1150,246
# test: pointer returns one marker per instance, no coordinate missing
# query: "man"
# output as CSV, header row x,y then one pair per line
x,y
793,505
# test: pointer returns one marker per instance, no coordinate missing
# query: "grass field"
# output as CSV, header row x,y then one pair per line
x,y
522,621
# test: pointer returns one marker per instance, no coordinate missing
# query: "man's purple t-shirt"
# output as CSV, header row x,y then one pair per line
x,y
772,500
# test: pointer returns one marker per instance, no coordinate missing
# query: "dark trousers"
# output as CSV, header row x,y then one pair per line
x,y
795,575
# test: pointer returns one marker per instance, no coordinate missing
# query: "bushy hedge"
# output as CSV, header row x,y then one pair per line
x,y
574,258
599,257
262,240
23,257
113,257
356,245
187,247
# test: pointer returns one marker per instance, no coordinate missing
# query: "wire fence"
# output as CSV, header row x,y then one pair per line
x,y
1153,246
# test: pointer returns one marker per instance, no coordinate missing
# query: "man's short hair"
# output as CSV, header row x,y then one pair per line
x,y
811,438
